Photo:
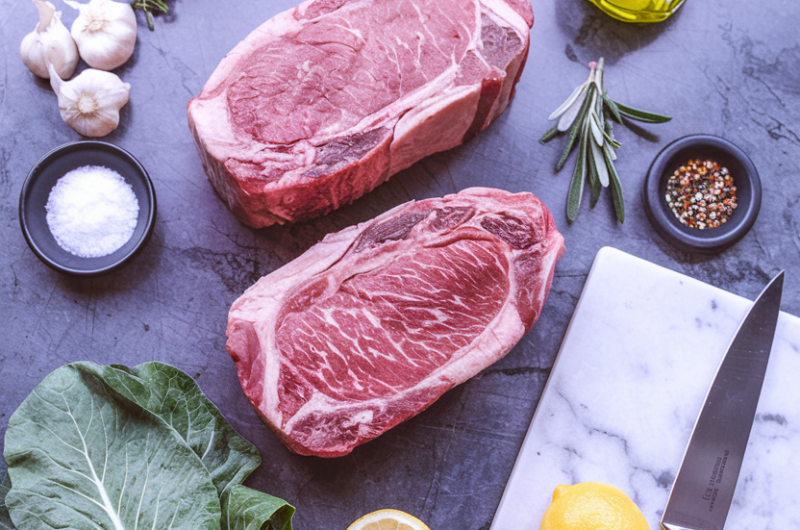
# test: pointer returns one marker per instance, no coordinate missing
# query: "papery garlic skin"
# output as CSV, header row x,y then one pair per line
x,y
49,42
90,102
105,32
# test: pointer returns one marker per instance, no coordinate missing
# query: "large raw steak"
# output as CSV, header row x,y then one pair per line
x,y
325,101
374,323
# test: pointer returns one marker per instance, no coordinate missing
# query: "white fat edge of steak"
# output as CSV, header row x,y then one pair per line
x,y
438,125
506,15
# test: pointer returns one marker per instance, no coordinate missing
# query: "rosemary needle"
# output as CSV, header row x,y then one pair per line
x,y
585,118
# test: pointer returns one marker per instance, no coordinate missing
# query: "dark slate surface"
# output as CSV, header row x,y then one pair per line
x,y
725,67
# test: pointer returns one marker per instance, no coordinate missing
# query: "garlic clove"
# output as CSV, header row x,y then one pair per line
x,y
105,32
49,42
90,102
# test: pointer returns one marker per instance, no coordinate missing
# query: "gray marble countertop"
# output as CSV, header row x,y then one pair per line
x,y
724,67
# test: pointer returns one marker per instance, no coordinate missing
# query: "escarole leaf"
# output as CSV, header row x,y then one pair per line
x,y
80,456
173,396
247,509
5,518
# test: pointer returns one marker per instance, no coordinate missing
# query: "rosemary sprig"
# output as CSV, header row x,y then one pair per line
x,y
585,117
148,6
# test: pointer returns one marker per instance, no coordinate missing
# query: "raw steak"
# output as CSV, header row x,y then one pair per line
x,y
325,101
374,323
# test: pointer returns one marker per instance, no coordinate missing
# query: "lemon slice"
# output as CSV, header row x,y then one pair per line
x,y
388,520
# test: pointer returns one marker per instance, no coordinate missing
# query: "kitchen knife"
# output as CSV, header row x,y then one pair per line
x,y
703,489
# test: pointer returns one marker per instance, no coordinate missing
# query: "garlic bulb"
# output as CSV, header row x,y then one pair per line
x,y
105,32
90,102
49,42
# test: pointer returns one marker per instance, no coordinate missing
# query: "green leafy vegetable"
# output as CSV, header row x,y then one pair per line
x,y
174,397
148,6
247,509
103,403
80,456
585,117
5,518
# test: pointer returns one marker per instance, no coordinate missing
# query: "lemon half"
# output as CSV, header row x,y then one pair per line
x,y
388,520
592,506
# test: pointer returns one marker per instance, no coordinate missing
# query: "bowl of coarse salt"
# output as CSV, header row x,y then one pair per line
x,y
87,208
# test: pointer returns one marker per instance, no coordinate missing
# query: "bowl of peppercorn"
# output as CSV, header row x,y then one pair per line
x,y
702,193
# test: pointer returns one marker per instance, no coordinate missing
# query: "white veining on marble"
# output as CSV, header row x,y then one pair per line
x,y
634,368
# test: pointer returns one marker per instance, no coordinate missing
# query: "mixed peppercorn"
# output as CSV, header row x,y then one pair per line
x,y
701,194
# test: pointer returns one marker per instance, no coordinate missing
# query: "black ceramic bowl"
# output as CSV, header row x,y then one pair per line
x,y
43,177
745,178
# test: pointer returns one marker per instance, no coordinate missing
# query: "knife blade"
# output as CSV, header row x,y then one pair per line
x,y
703,489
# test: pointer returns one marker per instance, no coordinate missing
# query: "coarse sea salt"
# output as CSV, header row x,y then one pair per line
x,y
92,211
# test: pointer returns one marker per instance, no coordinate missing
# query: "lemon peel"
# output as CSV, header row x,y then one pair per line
x,y
388,519
592,506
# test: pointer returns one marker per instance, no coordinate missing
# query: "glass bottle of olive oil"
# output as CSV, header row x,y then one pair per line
x,y
638,10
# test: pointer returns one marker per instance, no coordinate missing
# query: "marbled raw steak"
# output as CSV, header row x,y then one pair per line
x,y
374,323
325,101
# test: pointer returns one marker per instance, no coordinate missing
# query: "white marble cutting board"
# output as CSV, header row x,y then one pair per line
x,y
636,362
